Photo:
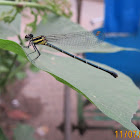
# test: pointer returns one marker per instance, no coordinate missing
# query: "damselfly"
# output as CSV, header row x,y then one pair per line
x,y
71,39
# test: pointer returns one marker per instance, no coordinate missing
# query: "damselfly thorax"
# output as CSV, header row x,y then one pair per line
x,y
40,40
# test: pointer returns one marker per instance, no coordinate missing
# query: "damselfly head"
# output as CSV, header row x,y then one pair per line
x,y
29,36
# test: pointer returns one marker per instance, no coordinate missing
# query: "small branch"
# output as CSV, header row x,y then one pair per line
x,y
28,4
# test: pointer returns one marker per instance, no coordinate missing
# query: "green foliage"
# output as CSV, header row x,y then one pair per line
x,y
33,68
9,62
9,16
23,132
117,98
2,135
10,21
11,65
12,47
37,9
107,93
9,29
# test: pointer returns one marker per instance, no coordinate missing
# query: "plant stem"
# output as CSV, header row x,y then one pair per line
x,y
10,69
28,4
21,41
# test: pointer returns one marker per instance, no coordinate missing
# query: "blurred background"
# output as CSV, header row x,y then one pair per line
x,y
34,98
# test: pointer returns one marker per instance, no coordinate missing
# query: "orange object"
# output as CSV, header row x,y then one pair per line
x,y
97,33
18,115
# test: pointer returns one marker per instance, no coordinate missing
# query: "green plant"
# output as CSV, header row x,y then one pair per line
x,y
37,8
12,66
117,98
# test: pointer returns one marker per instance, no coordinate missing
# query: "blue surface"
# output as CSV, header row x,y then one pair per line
x,y
122,15
127,62
131,41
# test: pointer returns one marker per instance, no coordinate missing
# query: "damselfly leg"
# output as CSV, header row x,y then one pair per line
x,y
35,50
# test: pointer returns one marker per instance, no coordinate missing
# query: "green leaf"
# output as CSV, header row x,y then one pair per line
x,y
56,24
33,68
3,69
23,132
117,98
2,135
6,29
11,46
21,59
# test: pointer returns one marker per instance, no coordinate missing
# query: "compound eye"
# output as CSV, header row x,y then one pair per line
x,y
28,37
31,35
